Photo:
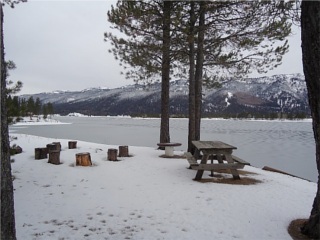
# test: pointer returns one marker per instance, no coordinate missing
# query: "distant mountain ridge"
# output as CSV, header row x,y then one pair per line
x,y
285,93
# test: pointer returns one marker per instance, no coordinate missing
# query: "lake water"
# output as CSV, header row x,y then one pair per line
x,y
285,145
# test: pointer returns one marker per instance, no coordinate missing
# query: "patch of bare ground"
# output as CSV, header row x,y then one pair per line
x,y
174,156
294,230
241,181
74,165
221,177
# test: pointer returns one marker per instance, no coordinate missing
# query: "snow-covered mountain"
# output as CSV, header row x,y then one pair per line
x,y
275,94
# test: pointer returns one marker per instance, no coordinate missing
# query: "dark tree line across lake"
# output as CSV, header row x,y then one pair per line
x,y
21,107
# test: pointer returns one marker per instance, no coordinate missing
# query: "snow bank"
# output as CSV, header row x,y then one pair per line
x,y
75,114
37,120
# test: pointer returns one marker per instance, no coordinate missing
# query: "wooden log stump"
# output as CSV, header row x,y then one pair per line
x,y
72,144
112,154
83,159
54,157
123,151
58,145
52,147
40,153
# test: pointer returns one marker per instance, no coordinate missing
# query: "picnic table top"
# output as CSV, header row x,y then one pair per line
x,y
173,144
215,145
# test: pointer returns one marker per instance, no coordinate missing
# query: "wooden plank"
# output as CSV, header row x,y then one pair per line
x,y
266,168
219,166
169,144
199,174
216,145
201,144
239,160
192,161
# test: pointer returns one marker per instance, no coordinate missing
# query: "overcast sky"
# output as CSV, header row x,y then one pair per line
x,y
59,45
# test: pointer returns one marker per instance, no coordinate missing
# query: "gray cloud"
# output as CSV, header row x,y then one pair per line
x,y
58,45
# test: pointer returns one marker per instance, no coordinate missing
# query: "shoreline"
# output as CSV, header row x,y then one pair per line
x,y
251,137
38,120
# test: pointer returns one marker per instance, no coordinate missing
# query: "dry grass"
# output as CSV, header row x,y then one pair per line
x,y
241,181
224,177
174,156
241,172
93,165
294,230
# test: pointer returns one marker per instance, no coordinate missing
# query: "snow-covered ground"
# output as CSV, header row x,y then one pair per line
x,y
146,197
37,120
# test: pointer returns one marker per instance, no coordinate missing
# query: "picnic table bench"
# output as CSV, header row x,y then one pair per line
x,y
214,150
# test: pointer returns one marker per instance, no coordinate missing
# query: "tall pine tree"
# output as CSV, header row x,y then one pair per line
x,y
227,38
310,36
8,230
7,203
145,47
232,38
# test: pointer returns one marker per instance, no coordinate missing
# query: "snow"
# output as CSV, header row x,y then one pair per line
x,y
75,114
146,197
70,99
37,120
229,95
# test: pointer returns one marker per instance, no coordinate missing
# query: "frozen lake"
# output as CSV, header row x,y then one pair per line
x,y
285,145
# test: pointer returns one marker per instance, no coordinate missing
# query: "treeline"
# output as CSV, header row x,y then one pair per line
x,y
20,107
270,115
243,115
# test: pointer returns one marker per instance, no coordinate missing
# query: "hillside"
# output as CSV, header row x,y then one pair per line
x,y
264,95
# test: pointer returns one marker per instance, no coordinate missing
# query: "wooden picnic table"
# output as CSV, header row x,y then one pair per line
x,y
221,157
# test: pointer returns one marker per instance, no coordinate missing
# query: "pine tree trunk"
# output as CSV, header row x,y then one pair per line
x,y
310,36
165,83
8,231
199,70
192,120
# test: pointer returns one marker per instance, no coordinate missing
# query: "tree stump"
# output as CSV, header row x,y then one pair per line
x,y
52,147
123,151
40,153
58,145
54,157
83,159
72,144
112,154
